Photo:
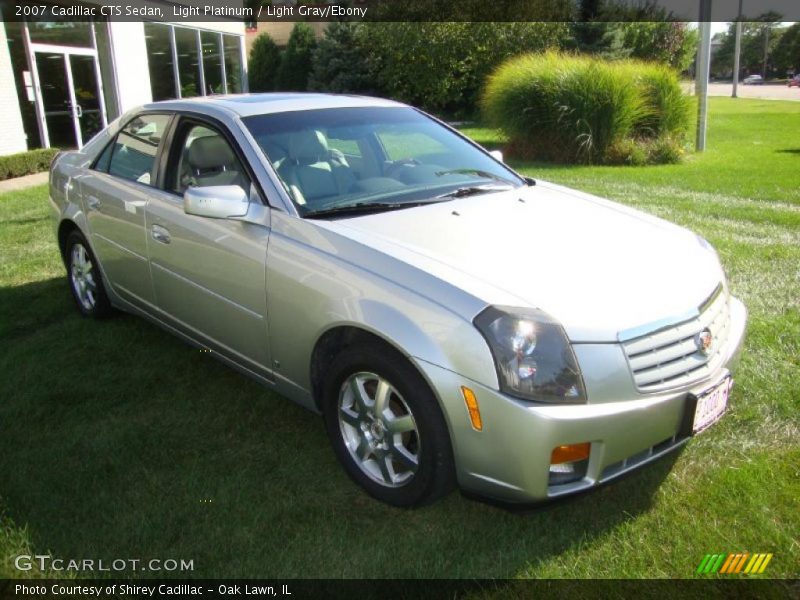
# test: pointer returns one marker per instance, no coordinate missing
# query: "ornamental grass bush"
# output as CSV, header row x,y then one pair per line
x,y
582,109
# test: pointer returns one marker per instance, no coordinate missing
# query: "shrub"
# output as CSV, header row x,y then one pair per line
x,y
265,59
440,67
26,163
627,151
295,65
571,108
667,150
645,151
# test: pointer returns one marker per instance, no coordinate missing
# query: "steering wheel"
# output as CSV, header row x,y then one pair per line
x,y
395,165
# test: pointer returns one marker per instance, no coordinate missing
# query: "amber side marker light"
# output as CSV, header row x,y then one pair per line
x,y
472,406
569,463
570,453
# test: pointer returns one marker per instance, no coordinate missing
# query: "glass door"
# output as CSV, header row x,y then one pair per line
x,y
88,102
56,100
70,96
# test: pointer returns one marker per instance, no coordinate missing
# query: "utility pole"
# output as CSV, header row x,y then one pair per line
x,y
701,77
737,52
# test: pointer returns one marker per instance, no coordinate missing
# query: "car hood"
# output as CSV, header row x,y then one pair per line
x,y
598,267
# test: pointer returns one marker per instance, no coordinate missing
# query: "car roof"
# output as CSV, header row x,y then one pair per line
x,y
258,104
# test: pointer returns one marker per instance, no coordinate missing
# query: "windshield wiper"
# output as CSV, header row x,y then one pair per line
x,y
478,172
473,190
364,208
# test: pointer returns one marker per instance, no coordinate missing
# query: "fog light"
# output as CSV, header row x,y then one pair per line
x,y
472,407
568,463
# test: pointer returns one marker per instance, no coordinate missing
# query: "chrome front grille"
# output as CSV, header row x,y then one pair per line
x,y
669,357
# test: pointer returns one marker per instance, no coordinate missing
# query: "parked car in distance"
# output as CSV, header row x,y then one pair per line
x,y
454,322
794,81
753,80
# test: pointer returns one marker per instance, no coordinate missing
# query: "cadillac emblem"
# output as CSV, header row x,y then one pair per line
x,y
704,342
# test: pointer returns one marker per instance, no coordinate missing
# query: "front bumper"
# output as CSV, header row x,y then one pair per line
x,y
509,460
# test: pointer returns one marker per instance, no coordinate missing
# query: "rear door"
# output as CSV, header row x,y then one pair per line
x,y
115,192
209,275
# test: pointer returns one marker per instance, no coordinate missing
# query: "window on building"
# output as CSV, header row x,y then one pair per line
x,y
212,62
159,58
61,33
219,67
188,62
135,148
233,63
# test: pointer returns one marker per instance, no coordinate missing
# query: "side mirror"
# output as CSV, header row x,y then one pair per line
x,y
216,201
497,155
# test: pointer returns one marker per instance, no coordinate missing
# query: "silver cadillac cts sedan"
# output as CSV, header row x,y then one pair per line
x,y
454,322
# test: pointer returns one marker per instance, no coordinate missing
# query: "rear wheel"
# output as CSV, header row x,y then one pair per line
x,y
85,279
386,426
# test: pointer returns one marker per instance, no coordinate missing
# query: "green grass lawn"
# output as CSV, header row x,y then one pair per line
x,y
119,441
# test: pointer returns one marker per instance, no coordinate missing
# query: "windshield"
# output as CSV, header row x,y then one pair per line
x,y
330,160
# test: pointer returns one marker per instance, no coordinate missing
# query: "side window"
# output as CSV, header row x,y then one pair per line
x,y
135,148
204,158
104,159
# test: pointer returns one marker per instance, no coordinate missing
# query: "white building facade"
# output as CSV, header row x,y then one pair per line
x,y
62,82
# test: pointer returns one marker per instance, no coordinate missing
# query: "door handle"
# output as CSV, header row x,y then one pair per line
x,y
78,111
93,203
160,234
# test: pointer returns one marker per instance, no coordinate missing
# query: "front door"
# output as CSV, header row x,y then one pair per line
x,y
209,275
70,96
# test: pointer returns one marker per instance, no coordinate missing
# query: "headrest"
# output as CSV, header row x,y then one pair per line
x,y
274,152
210,152
308,145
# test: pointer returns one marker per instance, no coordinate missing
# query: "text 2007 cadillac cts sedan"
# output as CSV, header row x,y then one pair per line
x,y
454,322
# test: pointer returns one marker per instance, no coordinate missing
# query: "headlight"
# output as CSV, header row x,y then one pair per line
x,y
532,355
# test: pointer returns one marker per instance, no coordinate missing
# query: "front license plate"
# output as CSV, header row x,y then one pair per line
x,y
711,405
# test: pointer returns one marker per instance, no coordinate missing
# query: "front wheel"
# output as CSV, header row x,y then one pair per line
x,y
386,427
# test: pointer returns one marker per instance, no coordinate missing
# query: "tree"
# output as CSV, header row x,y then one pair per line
x,y
759,39
295,67
786,55
601,38
672,43
341,62
613,29
265,59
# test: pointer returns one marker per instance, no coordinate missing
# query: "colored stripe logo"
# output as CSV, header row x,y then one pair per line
x,y
737,562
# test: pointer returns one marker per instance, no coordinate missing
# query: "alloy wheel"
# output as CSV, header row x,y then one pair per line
x,y
379,429
83,277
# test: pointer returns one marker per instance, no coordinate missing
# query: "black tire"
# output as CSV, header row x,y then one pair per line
x,y
100,306
435,475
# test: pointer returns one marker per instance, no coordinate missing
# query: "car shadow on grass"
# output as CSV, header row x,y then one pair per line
x,y
118,440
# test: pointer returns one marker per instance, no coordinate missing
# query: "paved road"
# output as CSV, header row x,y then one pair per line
x,y
766,92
